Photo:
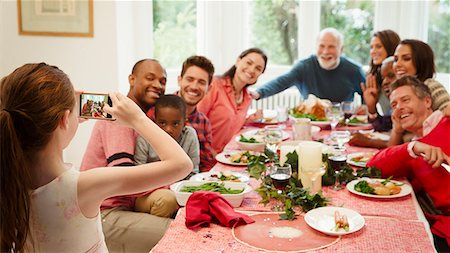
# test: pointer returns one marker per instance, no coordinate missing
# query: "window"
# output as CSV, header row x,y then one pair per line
x,y
274,28
439,33
174,31
355,20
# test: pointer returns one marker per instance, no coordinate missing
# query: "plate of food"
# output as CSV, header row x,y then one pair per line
x,y
236,158
335,221
269,117
359,120
258,135
359,159
375,135
313,108
221,176
379,188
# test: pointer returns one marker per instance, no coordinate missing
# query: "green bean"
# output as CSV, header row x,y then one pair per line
x,y
212,187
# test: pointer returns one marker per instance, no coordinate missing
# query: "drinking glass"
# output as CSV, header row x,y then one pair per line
x,y
273,135
336,162
280,175
314,175
349,109
334,115
341,137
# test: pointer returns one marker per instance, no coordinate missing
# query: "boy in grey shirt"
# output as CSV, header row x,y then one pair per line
x,y
170,115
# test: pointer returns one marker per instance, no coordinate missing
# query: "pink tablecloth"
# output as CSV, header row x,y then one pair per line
x,y
378,235
391,225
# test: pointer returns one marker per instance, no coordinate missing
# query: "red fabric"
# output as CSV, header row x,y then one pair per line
x,y
440,226
205,207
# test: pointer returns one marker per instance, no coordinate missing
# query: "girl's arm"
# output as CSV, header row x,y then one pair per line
x,y
98,184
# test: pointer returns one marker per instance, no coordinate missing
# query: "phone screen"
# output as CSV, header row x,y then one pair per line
x,y
91,106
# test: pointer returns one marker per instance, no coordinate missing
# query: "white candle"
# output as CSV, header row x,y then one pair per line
x,y
310,159
309,155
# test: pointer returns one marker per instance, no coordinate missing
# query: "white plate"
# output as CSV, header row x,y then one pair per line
x,y
360,124
406,189
375,135
322,219
224,158
258,134
355,163
320,123
206,176
269,116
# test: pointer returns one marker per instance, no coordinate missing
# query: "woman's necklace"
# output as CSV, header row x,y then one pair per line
x,y
238,96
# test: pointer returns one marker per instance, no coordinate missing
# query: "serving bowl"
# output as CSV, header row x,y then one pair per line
x,y
234,199
258,146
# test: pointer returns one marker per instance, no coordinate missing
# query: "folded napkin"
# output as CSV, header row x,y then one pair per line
x,y
205,207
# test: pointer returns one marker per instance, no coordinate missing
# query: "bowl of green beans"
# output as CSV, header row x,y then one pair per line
x,y
231,191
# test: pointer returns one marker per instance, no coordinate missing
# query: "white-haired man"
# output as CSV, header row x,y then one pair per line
x,y
327,74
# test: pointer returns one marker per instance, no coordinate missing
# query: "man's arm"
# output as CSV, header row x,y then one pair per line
x,y
280,83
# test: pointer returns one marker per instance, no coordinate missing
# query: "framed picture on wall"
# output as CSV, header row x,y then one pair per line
x,y
72,18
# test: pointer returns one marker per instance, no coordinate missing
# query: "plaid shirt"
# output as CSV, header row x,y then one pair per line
x,y
201,124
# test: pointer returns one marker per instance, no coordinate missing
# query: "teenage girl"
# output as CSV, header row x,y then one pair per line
x,y
46,204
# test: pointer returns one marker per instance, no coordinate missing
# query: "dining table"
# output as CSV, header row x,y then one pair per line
x,y
391,225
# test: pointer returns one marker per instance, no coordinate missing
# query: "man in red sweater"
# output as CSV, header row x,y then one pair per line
x,y
421,158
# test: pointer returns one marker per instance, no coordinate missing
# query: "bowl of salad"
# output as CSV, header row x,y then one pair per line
x,y
250,143
231,191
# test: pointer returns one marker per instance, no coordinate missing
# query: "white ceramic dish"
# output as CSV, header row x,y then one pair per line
x,y
352,156
322,219
258,146
258,134
406,190
206,176
317,123
224,157
234,199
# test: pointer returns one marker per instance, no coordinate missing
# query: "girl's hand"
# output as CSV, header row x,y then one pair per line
x,y
124,110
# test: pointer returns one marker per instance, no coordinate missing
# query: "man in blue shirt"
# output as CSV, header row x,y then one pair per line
x,y
327,74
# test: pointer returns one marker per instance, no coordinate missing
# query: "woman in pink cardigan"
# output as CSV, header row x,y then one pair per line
x,y
228,100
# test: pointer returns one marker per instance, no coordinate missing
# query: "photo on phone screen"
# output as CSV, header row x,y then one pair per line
x,y
91,106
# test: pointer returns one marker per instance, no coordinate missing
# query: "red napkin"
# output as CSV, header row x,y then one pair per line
x,y
205,207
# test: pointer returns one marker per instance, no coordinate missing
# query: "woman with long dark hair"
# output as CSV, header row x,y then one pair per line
x,y
228,99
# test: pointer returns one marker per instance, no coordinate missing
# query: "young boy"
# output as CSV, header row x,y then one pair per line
x,y
170,115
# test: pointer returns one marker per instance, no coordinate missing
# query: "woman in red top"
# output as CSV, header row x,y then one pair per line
x,y
228,100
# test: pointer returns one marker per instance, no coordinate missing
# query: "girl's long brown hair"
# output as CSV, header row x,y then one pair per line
x,y
33,100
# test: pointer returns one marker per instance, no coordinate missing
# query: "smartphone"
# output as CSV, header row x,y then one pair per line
x,y
91,106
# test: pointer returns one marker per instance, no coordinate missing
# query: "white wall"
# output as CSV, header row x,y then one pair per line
x,y
91,63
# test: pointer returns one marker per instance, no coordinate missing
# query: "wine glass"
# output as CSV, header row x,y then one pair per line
x,y
273,135
336,162
349,109
341,137
313,175
280,175
334,115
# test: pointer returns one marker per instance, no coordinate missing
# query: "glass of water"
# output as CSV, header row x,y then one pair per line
x,y
334,115
341,137
273,135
